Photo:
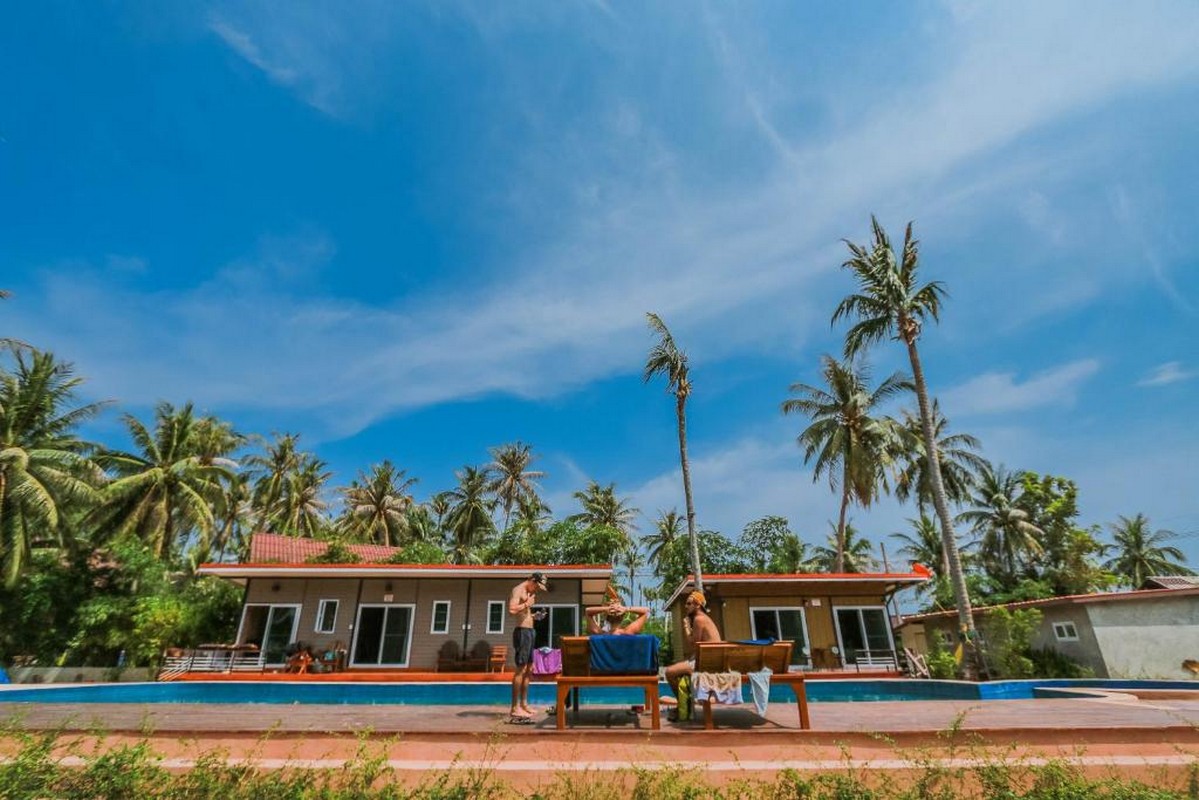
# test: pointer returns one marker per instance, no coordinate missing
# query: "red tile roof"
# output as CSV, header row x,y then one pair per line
x,y
268,548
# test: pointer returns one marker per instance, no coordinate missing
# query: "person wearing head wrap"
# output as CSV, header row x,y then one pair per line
x,y
614,616
697,627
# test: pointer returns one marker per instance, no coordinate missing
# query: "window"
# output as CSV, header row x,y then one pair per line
x,y
326,616
864,636
382,636
496,609
559,621
1065,632
782,624
441,617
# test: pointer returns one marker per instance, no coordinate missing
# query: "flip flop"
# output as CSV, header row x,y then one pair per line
x,y
521,721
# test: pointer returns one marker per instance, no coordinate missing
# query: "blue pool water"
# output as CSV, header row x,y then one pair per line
x,y
819,691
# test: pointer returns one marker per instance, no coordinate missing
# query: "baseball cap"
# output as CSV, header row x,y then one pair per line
x,y
539,579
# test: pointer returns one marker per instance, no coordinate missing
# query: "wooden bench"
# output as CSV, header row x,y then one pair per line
x,y
576,674
746,658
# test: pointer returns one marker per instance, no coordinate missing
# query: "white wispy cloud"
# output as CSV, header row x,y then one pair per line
x,y
734,261
999,392
1165,374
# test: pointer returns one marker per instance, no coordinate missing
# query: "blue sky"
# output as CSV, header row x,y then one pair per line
x,y
419,230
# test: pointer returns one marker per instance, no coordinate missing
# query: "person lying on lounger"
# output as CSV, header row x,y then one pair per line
x,y
615,616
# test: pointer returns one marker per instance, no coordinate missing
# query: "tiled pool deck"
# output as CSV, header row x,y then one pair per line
x,y
1144,735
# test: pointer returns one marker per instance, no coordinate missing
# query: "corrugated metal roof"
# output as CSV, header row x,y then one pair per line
x,y
1172,582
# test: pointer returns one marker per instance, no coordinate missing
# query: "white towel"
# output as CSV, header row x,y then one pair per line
x,y
759,687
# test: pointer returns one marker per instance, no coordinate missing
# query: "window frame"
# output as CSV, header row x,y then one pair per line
x,y
449,607
320,615
799,655
503,604
1065,631
552,610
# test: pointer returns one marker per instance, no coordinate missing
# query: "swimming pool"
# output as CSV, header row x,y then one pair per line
x,y
469,694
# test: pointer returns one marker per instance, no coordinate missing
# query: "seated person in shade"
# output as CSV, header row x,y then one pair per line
x,y
615,617
697,627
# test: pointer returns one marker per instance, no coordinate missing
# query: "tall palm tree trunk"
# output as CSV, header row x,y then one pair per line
x,y
840,563
681,407
948,538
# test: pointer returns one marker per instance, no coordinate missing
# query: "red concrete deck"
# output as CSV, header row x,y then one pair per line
x,y
1157,735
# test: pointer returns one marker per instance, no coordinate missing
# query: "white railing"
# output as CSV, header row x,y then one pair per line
x,y
210,660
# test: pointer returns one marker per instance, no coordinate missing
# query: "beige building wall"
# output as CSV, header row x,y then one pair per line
x,y
469,601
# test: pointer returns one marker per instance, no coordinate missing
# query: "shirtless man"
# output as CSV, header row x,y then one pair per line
x,y
697,627
610,618
520,606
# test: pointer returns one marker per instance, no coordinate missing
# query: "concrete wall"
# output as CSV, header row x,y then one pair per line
x,y
78,674
1148,638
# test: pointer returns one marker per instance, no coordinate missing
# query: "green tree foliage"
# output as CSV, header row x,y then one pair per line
x,y
1141,552
891,303
164,492
959,461
45,472
1070,558
847,442
666,359
771,546
1009,541
511,480
1009,636
469,520
719,555
856,553
418,552
376,506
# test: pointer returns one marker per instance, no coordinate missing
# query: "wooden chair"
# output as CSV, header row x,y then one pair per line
x,y
746,658
449,657
479,657
498,661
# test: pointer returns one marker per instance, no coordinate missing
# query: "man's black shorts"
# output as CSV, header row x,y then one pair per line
x,y
522,645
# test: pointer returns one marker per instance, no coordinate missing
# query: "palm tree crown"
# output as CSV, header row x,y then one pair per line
x,y
511,479
848,445
377,504
890,302
44,469
666,359
1008,538
1141,553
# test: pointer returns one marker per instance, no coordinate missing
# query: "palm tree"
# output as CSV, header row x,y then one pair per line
x,y
1141,553
512,480
439,506
924,544
6,341
303,507
790,555
166,490
44,468
856,554
470,515
1007,535
601,506
849,445
271,474
667,360
377,503
959,462
891,304
667,528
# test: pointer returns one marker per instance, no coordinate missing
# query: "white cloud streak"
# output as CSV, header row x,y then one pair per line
x,y
1000,392
1166,374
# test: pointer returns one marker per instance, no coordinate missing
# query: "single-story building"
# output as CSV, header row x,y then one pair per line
x,y
1146,633
391,616
836,621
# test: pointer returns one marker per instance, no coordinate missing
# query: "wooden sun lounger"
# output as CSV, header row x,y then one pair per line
x,y
576,674
746,658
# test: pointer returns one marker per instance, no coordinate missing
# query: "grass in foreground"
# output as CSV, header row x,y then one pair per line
x,y
36,769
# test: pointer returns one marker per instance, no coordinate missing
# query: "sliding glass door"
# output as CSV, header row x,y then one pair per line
x,y
560,621
782,624
382,636
272,628
864,634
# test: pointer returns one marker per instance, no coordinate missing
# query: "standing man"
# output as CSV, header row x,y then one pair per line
x,y
697,627
520,606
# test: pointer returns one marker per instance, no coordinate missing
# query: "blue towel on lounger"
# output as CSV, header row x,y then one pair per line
x,y
624,654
